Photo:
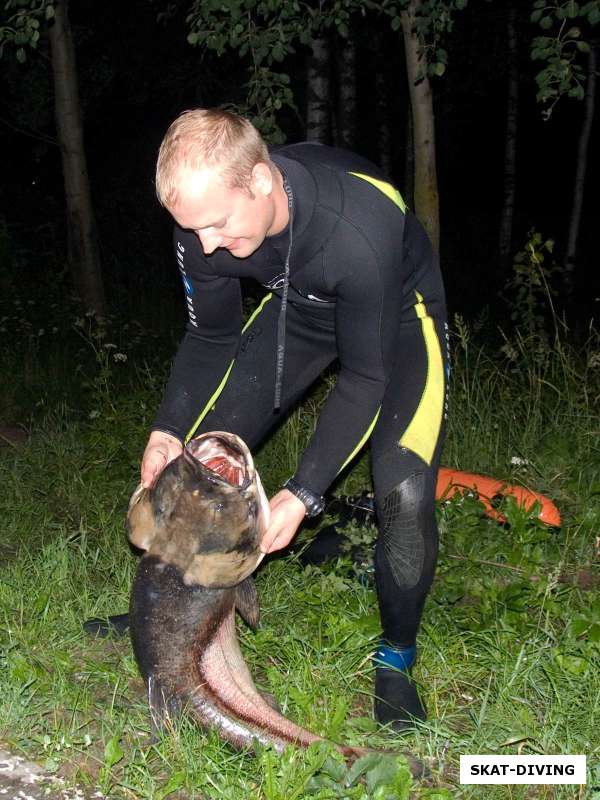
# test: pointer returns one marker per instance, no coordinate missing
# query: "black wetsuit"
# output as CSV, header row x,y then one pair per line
x,y
364,288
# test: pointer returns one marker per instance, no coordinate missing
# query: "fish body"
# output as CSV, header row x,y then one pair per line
x,y
201,527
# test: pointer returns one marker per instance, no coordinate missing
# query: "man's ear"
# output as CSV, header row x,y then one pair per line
x,y
262,179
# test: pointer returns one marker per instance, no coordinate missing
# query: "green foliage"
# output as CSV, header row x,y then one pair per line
x,y
265,33
433,22
322,773
561,48
21,28
509,652
529,291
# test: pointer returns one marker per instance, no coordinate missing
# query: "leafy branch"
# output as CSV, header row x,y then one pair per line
x,y
434,20
560,48
22,28
268,31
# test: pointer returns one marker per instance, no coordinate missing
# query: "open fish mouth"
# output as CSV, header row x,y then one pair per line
x,y
224,456
206,513
225,459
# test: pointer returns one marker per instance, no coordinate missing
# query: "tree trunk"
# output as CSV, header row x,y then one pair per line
x,y
582,150
409,160
426,188
84,254
510,146
346,61
317,106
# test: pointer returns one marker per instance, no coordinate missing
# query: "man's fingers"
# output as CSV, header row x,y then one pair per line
x,y
276,540
148,476
154,463
160,450
270,541
267,541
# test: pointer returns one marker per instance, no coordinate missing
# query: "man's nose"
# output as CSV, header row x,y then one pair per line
x,y
209,240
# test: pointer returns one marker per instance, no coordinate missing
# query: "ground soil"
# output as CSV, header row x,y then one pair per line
x,y
21,779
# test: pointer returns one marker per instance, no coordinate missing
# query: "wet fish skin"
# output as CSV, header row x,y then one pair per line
x,y
186,646
201,536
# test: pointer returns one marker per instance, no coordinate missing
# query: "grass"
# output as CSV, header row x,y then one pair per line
x,y
509,646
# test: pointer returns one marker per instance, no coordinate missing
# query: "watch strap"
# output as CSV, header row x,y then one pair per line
x,y
314,503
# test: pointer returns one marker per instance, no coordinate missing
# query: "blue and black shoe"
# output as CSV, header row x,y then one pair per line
x,y
396,702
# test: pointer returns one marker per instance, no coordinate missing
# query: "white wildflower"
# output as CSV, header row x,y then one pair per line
x,y
94,414
509,351
517,461
120,357
594,360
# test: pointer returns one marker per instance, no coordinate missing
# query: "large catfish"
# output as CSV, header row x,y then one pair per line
x,y
201,526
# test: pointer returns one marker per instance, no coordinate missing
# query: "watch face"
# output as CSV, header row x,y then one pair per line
x,y
314,507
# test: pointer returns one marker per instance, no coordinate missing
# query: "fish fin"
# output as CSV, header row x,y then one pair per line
x,y
163,707
141,524
246,602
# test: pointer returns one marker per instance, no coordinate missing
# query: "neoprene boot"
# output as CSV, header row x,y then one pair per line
x,y
116,625
396,702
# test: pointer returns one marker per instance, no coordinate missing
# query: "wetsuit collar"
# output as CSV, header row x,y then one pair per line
x,y
303,186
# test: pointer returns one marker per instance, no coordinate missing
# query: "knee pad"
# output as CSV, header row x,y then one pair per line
x,y
401,536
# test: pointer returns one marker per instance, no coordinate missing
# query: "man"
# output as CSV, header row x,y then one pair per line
x,y
352,277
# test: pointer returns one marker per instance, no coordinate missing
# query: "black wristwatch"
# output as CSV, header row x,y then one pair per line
x,y
314,502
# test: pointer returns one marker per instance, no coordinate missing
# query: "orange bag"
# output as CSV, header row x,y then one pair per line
x,y
452,481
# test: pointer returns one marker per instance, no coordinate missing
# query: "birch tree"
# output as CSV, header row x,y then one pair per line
x,y
22,29
346,98
581,168
426,195
318,106
83,249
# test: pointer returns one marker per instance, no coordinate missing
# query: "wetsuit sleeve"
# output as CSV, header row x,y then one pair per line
x,y
210,342
366,314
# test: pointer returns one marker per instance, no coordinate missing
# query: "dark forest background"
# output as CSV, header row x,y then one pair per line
x,y
137,71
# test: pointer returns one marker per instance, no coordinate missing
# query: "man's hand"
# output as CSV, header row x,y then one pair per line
x,y
287,512
160,450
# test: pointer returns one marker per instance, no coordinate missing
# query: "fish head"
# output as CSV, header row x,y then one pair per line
x,y
206,513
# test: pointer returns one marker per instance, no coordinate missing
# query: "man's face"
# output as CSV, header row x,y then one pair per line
x,y
221,216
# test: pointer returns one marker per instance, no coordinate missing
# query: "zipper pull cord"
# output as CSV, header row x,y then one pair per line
x,y
280,354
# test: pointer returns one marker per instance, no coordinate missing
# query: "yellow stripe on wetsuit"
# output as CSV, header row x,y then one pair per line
x,y
422,434
215,395
423,431
385,187
368,432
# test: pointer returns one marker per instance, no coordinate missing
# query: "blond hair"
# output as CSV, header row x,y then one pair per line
x,y
208,137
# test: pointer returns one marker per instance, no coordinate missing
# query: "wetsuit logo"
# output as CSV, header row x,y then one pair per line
x,y
276,282
187,285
